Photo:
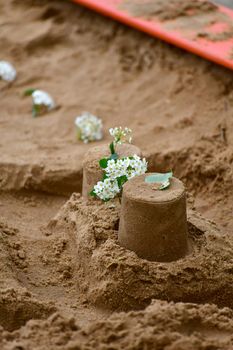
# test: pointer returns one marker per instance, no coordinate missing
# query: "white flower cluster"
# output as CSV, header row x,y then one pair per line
x,y
7,71
121,135
89,127
42,98
129,167
107,189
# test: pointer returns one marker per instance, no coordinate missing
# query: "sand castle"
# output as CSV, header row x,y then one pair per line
x,y
145,241
68,262
153,223
92,173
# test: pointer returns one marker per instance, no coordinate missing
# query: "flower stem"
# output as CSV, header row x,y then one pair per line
x,y
112,148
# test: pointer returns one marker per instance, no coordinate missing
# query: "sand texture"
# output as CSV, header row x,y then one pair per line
x,y
178,105
115,277
153,223
161,326
167,9
65,282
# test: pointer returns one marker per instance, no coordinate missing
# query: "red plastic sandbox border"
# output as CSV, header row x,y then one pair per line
x,y
219,52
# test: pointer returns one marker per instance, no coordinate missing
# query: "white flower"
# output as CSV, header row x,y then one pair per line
x,y
7,71
129,167
106,189
42,98
121,135
89,127
118,171
137,167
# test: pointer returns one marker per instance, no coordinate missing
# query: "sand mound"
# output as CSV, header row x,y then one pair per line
x,y
77,252
179,110
161,326
17,304
114,277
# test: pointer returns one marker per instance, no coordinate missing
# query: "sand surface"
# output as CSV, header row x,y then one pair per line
x,y
180,109
167,9
227,3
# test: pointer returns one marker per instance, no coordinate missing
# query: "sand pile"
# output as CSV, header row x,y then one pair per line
x,y
179,110
17,305
61,254
161,326
116,278
74,260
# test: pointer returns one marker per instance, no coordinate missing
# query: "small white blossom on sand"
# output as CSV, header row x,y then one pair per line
x,y
42,102
121,135
89,127
42,98
106,189
7,71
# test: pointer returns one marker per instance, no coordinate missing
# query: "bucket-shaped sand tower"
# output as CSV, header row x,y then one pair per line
x,y
153,222
92,173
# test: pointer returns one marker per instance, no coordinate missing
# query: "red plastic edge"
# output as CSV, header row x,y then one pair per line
x,y
155,30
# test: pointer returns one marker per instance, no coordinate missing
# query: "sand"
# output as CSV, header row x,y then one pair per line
x,y
160,326
153,223
60,254
167,9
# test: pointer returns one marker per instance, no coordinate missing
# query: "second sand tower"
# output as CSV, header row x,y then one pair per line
x,y
153,222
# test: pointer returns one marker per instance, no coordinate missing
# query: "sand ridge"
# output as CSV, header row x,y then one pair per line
x,y
160,326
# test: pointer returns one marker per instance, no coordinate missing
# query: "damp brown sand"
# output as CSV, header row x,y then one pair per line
x,y
193,17
167,9
68,276
180,109
116,278
161,326
223,36
37,269
153,223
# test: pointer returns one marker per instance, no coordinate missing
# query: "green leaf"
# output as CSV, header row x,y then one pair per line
x,y
103,163
114,156
106,200
35,110
92,193
121,180
159,178
112,148
29,92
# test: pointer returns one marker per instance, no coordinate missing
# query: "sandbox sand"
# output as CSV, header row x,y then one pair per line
x,y
60,254
167,9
